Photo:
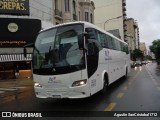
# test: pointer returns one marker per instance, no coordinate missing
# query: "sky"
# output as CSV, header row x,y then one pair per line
x,y
147,14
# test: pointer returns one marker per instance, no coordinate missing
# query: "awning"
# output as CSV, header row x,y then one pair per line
x,y
15,57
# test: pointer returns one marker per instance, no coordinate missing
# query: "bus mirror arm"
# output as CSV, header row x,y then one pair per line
x,y
81,40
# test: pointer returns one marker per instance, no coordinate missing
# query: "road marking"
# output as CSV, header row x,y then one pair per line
x,y
110,107
125,88
7,89
120,95
153,79
158,88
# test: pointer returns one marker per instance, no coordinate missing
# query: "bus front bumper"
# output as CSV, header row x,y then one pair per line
x,y
62,92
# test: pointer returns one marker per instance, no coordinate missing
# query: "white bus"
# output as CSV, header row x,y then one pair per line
x,y
76,60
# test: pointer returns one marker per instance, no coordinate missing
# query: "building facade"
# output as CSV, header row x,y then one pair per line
x,y
43,10
21,24
143,48
73,10
132,34
110,15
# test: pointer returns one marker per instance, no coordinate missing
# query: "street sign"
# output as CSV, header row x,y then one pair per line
x,y
14,7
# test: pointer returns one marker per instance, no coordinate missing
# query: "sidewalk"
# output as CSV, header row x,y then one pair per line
x,y
15,83
9,89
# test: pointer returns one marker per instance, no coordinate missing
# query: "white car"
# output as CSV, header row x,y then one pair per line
x,y
138,62
144,62
133,64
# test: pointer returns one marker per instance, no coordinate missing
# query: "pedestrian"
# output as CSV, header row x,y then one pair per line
x,y
17,72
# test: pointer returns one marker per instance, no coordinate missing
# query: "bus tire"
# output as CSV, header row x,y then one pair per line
x,y
126,74
105,84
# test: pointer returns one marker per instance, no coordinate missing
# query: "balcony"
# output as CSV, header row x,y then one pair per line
x,y
124,25
135,26
124,8
124,18
84,2
58,14
124,2
75,17
124,14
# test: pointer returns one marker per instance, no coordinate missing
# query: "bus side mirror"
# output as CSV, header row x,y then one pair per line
x,y
25,52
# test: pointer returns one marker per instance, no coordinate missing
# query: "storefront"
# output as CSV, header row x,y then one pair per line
x,y
15,34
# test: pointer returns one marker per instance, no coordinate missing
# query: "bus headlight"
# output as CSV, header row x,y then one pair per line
x,y
79,83
37,85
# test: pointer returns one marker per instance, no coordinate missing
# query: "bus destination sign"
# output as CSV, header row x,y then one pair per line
x,y
14,7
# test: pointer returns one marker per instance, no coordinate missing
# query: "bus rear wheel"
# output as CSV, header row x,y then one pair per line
x,y
125,76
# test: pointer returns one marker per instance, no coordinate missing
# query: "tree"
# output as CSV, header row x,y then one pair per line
x,y
155,48
137,54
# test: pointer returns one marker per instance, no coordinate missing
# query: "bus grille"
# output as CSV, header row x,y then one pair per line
x,y
56,88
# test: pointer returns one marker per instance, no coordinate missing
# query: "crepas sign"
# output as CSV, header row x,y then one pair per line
x,y
14,7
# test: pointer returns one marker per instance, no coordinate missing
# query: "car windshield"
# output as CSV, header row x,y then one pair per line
x,y
58,47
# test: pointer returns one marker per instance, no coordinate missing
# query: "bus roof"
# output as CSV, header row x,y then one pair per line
x,y
86,24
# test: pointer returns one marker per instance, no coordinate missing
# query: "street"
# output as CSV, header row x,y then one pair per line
x,y
139,92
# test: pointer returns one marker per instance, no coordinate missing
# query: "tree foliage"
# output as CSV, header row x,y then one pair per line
x,y
137,54
155,48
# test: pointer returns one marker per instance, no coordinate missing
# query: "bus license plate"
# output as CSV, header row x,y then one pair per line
x,y
56,96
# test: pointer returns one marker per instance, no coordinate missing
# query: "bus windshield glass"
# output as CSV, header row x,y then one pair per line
x,y
57,52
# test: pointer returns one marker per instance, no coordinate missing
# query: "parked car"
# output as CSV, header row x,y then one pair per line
x,y
144,62
133,63
138,63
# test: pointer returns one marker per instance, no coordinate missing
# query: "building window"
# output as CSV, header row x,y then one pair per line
x,y
86,17
79,15
56,4
91,17
74,7
66,5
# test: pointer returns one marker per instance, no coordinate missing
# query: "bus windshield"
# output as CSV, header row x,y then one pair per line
x,y
57,52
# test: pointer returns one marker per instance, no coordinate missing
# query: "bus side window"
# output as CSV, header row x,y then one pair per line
x,y
111,43
126,49
102,39
117,44
91,33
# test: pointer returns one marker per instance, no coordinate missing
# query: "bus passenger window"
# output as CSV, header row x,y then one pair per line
x,y
91,33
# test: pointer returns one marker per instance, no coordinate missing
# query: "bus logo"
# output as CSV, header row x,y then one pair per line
x,y
54,70
52,80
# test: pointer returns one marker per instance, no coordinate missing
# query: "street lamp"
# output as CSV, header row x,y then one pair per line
x,y
111,19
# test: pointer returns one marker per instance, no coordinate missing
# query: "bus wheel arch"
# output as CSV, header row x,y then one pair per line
x,y
126,72
105,83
